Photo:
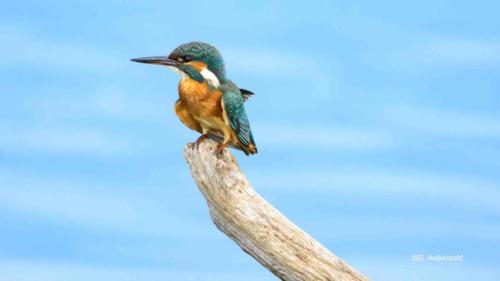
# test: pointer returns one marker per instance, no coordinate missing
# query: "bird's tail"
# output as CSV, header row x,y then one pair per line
x,y
250,149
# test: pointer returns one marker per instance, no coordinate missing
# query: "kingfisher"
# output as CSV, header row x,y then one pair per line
x,y
209,102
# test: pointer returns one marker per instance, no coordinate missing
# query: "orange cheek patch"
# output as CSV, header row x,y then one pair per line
x,y
198,65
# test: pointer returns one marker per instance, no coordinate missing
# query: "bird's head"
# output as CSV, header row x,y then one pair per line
x,y
200,61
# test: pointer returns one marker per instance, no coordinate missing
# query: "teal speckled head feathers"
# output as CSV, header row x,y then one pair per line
x,y
199,51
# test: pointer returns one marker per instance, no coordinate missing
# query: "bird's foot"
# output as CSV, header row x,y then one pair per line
x,y
220,148
201,139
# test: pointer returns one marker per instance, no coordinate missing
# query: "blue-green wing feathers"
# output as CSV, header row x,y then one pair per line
x,y
238,119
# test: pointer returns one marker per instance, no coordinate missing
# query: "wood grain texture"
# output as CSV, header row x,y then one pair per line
x,y
256,226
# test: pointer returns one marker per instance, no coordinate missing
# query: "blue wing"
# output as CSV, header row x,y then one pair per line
x,y
237,118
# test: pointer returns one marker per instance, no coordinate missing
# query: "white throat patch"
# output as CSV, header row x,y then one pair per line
x,y
176,70
210,77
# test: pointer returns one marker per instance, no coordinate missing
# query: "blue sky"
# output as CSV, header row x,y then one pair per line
x,y
377,124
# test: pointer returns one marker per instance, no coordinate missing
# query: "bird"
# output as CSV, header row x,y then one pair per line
x,y
208,102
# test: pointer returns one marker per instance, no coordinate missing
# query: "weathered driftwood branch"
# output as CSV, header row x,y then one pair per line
x,y
256,226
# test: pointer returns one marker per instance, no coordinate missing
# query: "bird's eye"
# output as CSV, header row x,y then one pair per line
x,y
187,58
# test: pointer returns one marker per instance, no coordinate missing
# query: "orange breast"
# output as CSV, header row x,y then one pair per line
x,y
200,107
204,104
199,99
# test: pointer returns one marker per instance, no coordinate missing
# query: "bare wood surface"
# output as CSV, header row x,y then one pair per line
x,y
256,226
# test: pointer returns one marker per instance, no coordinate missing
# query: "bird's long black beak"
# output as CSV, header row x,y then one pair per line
x,y
161,60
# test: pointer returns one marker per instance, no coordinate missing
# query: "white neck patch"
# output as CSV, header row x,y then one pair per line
x,y
210,77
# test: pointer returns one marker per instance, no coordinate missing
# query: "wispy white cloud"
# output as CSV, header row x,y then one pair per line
x,y
366,227
107,102
22,47
441,122
403,268
270,61
68,140
451,51
62,271
320,75
390,126
92,205
317,136
461,192
376,267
